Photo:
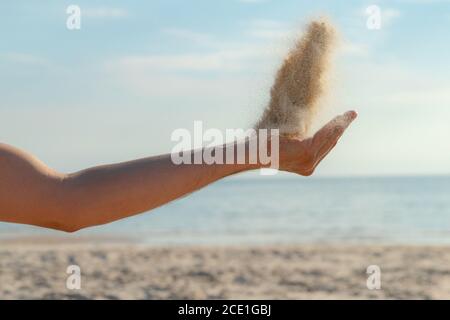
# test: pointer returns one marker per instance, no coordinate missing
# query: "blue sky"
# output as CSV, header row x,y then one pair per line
x,y
137,70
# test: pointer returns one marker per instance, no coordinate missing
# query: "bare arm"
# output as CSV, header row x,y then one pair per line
x,y
32,193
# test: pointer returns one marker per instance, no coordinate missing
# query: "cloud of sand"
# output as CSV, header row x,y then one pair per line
x,y
300,82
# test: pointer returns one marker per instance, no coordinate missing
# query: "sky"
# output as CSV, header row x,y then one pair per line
x,y
135,71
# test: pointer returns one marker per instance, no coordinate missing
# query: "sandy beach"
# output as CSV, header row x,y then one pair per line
x,y
33,270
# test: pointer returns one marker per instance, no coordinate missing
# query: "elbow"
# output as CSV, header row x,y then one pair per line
x,y
76,205
69,228
64,225
67,211
71,218
63,222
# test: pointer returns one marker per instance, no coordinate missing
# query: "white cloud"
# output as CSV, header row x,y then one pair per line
x,y
268,29
191,36
353,49
104,12
422,97
180,62
24,58
215,54
259,29
261,55
225,60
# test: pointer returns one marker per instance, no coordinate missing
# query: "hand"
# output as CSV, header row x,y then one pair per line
x,y
303,156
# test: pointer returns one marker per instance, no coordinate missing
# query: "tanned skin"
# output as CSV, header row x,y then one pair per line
x,y
32,193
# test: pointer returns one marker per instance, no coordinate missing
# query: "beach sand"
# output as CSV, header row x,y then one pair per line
x,y
36,270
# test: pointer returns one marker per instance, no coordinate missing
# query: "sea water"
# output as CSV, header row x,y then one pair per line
x,y
293,210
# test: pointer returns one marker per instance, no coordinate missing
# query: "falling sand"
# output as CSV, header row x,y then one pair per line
x,y
300,82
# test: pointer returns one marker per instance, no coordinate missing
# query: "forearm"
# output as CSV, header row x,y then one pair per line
x,y
107,193
32,193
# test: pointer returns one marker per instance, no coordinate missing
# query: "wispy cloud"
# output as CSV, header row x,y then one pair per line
x,y
191,36
214,53
24,58
268,29
353,49
177,62
223,58
226,60
104,12
259,29
429,96
206,71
